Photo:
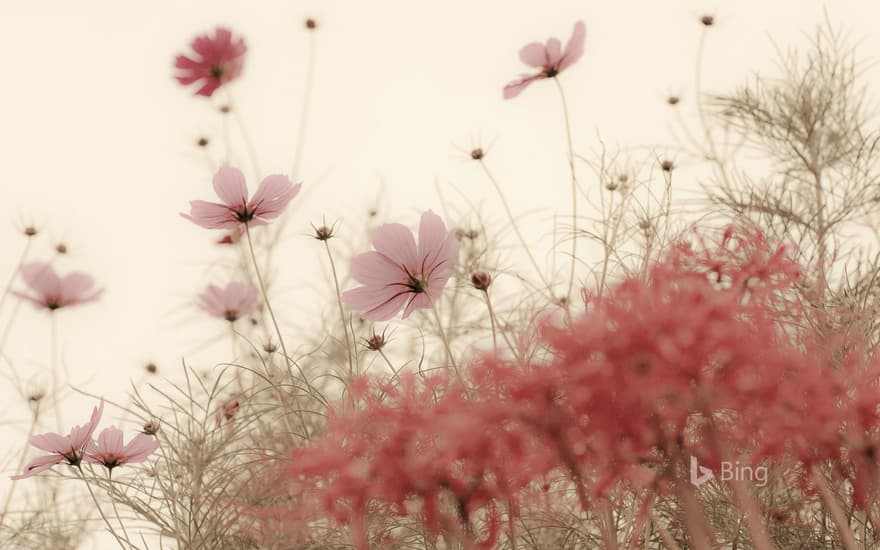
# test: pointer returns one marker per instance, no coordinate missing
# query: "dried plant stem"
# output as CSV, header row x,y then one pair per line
x,y
348,349
113,503
838,516
290,362
515,226
665,536
574,187
752,514
21,461
247,232
443,336
100,511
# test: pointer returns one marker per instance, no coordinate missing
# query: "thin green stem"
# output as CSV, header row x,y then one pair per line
x,y
443,336
247,232
492,317
341,311
100,511
515,226
574,187
55,378
304,109
245,136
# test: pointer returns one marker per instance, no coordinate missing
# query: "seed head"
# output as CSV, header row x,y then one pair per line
x,y
477,153
311,24
151,368
225,109
481,280
61,248
150,427
376,341
673,100
30,231
324,233
707,20
667,165
202,142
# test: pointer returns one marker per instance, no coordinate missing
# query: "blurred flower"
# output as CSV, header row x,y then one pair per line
x,y
110,451
227,410
70,447
273,195
398,274
52,292
216,61
230,302
549,58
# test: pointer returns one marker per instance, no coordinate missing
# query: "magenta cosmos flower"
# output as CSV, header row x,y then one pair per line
x,y
51,292
216,60
549,58
230,302
70,448
398,274
273,195
110,451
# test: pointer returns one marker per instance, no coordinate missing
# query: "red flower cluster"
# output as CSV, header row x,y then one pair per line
x,y
705,358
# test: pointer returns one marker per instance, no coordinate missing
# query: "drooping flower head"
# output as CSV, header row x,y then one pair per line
x,y
398,274
231,302
215,61
69,448
549,58
51,292
273,195
111,452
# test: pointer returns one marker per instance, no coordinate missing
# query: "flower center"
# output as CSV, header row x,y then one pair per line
x,y
417,284
217,71
230,315
244,216
550,72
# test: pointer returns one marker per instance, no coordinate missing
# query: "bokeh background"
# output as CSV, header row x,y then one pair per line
x,y
98,142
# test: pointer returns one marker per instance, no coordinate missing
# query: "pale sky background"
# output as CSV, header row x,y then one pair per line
x,y
96,139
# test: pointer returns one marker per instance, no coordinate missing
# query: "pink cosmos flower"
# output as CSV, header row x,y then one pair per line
x,y
399,274
273,195
52,292
110,451
230,302
217,60
70,448
549,58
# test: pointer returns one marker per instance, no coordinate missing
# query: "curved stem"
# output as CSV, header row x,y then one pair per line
x,y
574,185
247,232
